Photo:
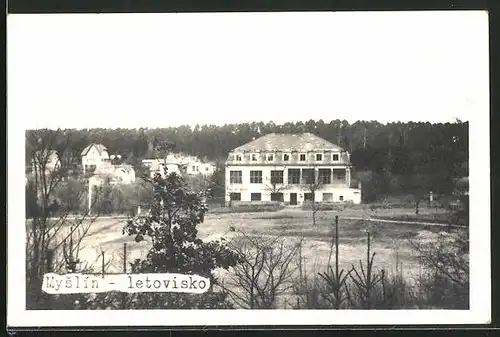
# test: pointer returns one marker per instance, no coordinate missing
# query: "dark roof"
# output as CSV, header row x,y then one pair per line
x,y
100,149
288,143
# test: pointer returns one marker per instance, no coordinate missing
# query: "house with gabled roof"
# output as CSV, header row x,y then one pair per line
x,y
283,167
94,156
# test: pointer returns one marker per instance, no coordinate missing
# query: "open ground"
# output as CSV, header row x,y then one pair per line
x,y
390,231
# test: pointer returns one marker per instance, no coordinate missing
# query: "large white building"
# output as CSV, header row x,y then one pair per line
x,y
289,168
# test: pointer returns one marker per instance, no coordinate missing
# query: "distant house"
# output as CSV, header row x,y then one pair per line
x,y
94,156
49,159
179,163
120,174
198,167
125,174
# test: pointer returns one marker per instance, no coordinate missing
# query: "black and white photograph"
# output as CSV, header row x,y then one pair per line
x,y
316,168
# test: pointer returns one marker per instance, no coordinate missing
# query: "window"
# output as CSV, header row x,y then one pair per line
x,y
254,157
327,197
235,196
270,157
335,157
341,198
308,176
276,177
238,157
308,197
255,197
325,176
294,176
256,177
302,157
340,176
319,157
277,197
286,157
235,177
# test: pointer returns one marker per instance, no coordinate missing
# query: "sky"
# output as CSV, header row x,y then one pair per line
x,y
160,70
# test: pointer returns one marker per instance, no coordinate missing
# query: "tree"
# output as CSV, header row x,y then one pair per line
x,y
48,229
266,271
312,184
171,227
276,183
69,195
419,186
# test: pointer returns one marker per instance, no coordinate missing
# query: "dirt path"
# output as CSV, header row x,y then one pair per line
x,y
403,222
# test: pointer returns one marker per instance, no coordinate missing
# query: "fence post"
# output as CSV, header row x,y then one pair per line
x,y
124,257
124,294
337,246
103,264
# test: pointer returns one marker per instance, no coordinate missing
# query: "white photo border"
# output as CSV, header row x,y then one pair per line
x,y
480,273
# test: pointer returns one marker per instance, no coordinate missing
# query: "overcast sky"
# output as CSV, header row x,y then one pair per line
x,y
133,70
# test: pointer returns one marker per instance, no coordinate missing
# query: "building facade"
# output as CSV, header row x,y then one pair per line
x,y
289,168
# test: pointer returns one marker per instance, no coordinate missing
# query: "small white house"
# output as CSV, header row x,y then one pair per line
x,y
179,163
125,174
94,156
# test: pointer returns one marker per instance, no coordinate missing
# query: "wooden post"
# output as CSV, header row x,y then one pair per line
x,y
337,246
124,294
103,264
90,195
124,257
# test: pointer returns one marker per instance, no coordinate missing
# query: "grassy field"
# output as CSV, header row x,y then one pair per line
x,y
389,240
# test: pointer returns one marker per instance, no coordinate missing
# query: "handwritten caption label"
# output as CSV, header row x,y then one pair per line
x,y
129,283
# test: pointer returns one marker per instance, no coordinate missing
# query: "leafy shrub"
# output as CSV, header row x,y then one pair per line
x,y
176,211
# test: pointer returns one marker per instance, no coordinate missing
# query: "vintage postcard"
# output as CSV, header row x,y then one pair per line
x,y
315,168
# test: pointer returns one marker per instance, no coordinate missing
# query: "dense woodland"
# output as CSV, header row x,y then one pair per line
x,y
388,158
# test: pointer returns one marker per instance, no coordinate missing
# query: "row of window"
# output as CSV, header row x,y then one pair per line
x,y
280,197
197,169
286,157
294,176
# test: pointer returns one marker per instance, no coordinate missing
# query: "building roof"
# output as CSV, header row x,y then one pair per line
x,y
99,147
126,168
288,143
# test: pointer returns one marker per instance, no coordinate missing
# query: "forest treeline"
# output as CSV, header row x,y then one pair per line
x,y
424,154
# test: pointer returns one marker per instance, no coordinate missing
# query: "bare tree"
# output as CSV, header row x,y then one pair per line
x,y
419,186
48,226
276,182
265,274
312,184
